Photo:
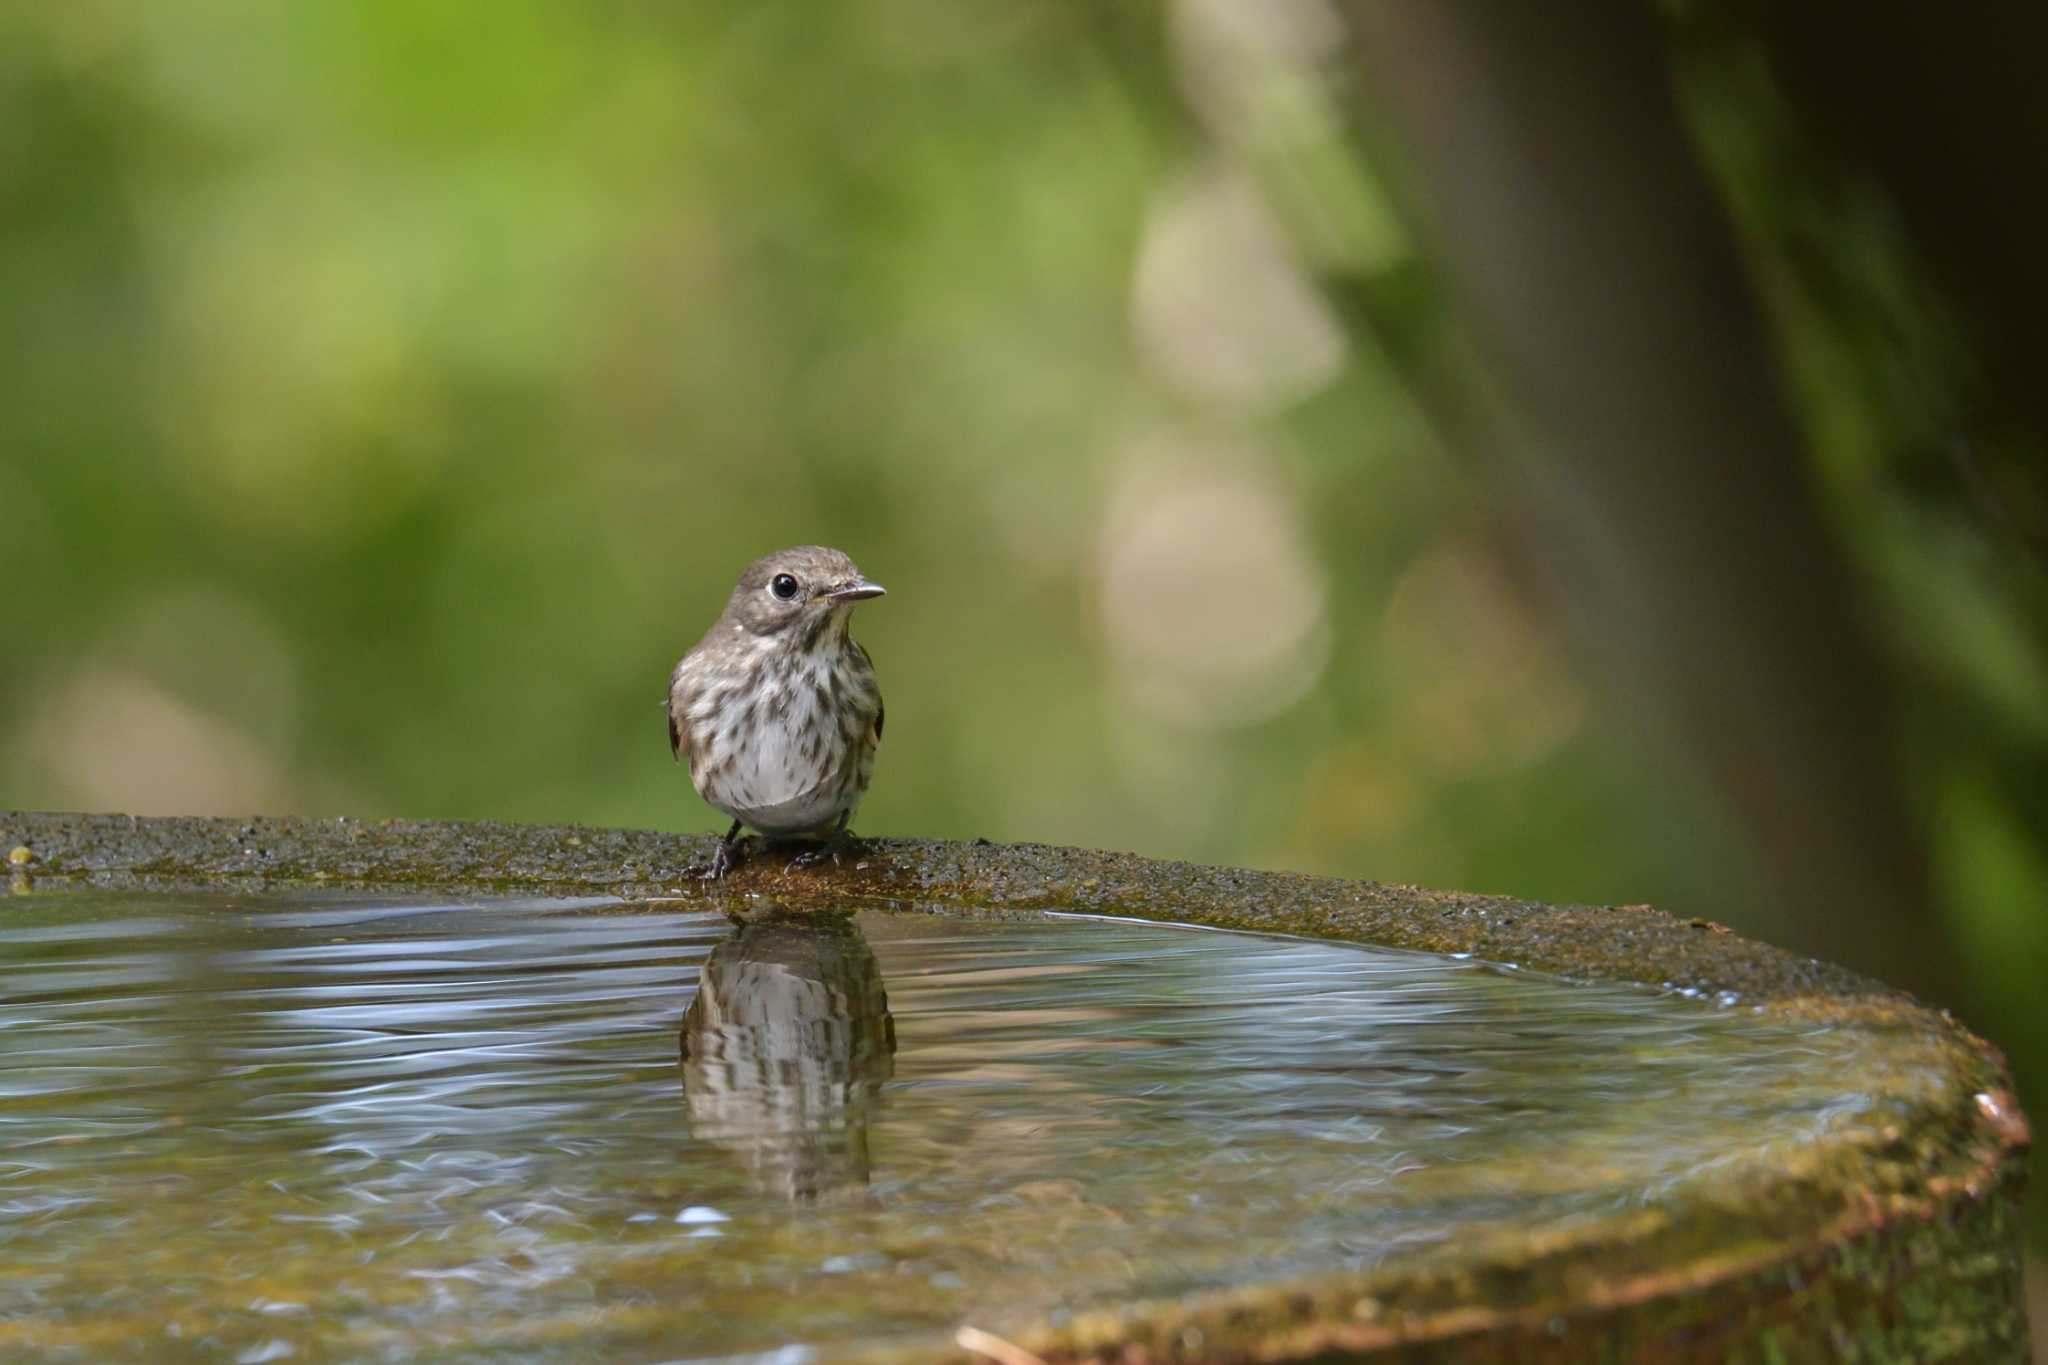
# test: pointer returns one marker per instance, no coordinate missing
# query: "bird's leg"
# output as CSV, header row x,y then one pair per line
x,y
836,843
725,855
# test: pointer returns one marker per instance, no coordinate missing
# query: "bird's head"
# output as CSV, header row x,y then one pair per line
x,y
797,594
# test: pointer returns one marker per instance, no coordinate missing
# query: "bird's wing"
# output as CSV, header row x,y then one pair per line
x,y
678,738
881,711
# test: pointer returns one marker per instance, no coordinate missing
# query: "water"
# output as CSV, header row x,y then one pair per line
x,y
345,1129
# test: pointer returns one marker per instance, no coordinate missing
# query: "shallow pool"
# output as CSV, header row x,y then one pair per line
x,y
344,1128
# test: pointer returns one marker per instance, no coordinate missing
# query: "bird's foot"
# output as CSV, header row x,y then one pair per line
x,y
838,845
725,857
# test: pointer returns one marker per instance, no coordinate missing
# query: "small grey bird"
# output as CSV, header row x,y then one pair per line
x,y
777,705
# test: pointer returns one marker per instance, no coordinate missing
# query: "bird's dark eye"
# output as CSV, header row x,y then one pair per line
x,y
784,586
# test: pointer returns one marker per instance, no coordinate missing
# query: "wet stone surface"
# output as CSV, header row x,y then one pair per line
x,y
346,1126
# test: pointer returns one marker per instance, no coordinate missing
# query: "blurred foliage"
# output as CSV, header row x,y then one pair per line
x,y
390,394
392,398
1935,489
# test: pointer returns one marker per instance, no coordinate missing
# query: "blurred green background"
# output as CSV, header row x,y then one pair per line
x,y
392,390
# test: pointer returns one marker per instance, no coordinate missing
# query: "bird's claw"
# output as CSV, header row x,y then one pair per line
x,y
723,859
832,849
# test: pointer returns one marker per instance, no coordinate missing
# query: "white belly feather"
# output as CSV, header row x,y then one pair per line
x,y
759,773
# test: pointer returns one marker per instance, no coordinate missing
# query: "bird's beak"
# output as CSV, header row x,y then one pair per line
x,y
860,590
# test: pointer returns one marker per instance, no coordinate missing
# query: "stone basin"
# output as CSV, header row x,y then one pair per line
x,y
1886,1228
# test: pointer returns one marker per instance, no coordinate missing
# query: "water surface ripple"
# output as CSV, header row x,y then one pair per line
x,y
333,1129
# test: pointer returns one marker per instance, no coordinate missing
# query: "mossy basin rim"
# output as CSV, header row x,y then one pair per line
x,y
1877,1219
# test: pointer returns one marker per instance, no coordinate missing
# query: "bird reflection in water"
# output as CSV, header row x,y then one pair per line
x,y
786,1048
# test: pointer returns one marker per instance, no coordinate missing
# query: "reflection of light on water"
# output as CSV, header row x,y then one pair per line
x,y
1211,602
447,1125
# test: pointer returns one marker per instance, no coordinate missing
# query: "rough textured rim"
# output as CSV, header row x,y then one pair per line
x,y
1956,1166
